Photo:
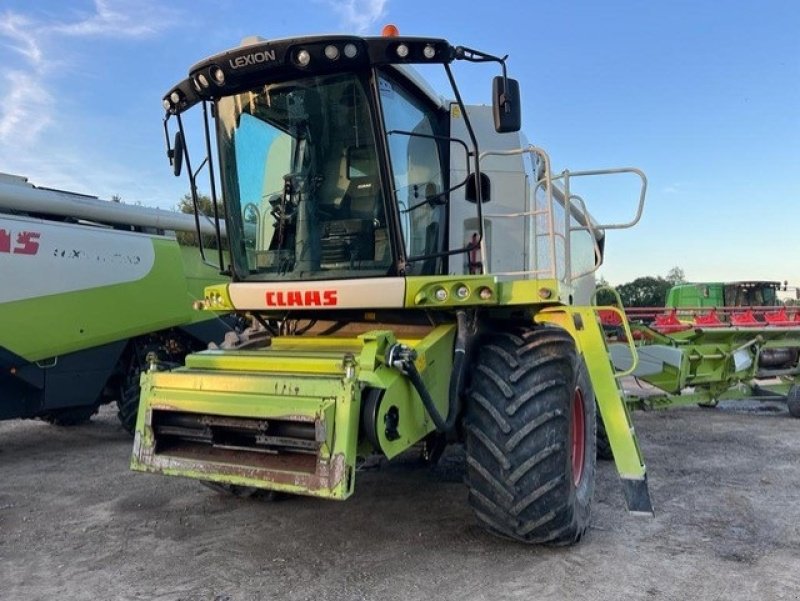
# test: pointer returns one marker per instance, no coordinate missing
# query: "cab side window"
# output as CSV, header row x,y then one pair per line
x,y
419,183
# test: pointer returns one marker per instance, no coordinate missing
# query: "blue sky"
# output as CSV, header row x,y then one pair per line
x,y
704,96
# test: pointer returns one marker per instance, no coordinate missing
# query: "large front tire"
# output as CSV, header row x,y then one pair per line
x,y
530,437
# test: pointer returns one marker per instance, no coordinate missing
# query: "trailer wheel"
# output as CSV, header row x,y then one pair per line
x,y
604,452
793,401
530,437
70,416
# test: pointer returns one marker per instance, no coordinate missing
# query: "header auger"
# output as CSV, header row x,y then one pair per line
x,y
423,278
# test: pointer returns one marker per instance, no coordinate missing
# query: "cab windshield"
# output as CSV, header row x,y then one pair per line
x,y
299,170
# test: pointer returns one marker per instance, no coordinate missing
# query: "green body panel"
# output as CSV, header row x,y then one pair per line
x,y
318,380
706,294
421,293
48,326
434,363
582,324
723,294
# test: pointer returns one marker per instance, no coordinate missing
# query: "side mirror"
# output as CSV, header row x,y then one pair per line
x,y
176,154
506,105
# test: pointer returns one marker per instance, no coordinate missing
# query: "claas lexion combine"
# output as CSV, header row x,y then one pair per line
x,y
91,288
423,277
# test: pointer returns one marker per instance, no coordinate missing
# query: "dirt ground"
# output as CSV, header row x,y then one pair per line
x,y
76,524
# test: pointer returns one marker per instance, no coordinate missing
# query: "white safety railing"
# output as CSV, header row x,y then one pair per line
x,y
555,259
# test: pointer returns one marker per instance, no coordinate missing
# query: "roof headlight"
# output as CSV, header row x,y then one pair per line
x,y
218,75
402,51
429,51
203,80
167,104
331,52
303,58
350,50
175,98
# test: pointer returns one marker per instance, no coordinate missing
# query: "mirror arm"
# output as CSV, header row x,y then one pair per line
x,y
476,56
193,191
170,151
503,97
212,183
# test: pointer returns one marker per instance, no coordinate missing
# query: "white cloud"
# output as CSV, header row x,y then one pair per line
x,y
117,18
24,111
674,188
15,28
359,15
25,108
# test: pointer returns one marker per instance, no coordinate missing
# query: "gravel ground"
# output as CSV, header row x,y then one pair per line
x,y
76,524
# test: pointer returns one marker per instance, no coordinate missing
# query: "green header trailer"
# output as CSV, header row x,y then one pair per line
x,y
91,288
699,350
423,278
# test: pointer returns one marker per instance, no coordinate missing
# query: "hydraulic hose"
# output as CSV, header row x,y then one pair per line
x,y
402,358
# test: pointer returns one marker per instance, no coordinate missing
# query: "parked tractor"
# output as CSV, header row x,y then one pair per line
x,y
93,292
423,276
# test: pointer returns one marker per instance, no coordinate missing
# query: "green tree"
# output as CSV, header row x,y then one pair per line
x,y
676,275
206,208
645,291
604,297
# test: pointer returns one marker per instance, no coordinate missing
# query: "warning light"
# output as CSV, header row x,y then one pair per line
x,y
390,31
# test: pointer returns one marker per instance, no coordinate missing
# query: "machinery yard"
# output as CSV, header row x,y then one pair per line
x,y
77,524
380,349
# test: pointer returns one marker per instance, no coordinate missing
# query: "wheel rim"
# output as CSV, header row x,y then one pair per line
x,y
578,436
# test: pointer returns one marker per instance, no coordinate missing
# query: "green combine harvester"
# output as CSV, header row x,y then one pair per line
x,y
423,278
756,294
91,288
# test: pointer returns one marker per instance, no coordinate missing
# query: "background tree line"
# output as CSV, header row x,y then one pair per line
x,y
206,208
645,291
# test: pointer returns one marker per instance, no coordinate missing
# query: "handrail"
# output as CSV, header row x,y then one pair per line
x,y
598,256
625,326
574,209
566,175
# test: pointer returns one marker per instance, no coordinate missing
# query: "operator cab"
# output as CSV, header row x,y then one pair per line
x,y
334,161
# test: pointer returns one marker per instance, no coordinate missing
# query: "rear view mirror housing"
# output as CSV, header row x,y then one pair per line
x,y
506,105
176,154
